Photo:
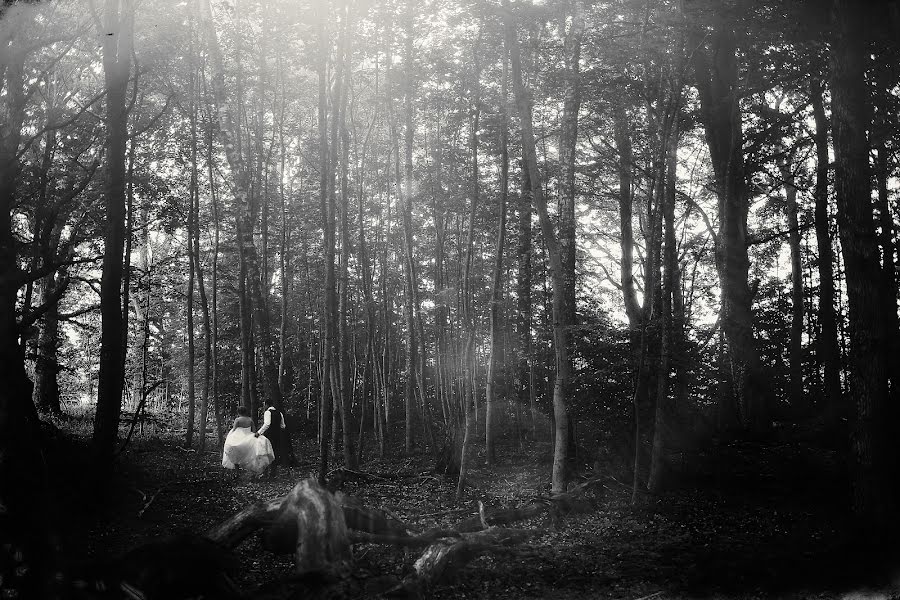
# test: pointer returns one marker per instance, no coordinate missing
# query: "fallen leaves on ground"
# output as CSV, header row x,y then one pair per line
x,y
734,539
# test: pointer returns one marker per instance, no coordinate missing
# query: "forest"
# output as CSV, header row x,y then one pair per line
x,y
552,298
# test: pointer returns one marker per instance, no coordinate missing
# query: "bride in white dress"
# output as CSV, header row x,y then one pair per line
x,y
245,448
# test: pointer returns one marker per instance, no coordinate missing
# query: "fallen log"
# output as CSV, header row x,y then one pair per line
x,y
423,539
503,516
371,520
571,501
445,557
280,525
442,513
340,476
410,541
282,530
239,527
318,528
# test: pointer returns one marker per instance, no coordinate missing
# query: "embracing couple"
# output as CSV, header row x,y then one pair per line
x,y
255,451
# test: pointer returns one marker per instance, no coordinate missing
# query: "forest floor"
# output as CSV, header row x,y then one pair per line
x,y
766,524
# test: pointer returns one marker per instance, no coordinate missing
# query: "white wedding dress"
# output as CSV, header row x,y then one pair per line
x,y
244,449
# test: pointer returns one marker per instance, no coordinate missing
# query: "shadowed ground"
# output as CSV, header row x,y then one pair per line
x,y
770,525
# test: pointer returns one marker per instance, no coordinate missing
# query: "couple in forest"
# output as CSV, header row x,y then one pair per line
x,y
255,451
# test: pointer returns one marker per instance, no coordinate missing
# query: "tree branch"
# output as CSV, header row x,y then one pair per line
x,y
153,121
59,125
773,236
31,317
77,313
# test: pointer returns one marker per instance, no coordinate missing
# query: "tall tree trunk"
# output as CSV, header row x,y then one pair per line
x,y
28,519
285,370
797,395
117,42
16,407
217,401
827,340
243,211
888,264
496,348
681,356
48,231
405,194
874,463
572,31
523,299
443,386
192,225
207,343
410,131
246,332
129,229
245,302
189,308
638,317
341,140
370,384
260,203
568,139
46,366
327,211
467,284
882,130
560,325
144,374
143,271
198,270
414,339
49,222
719,90
664,408
623,145
386,311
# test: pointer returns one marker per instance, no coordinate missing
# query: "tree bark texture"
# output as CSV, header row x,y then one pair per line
x,y
717,74
572,31
415,349
664,410
323,546
470,391
797,394
827,340
523,297
494,377
117,43
24,524
560,325
874,461
326,205
244,210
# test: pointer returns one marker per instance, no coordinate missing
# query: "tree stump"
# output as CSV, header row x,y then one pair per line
x,y
323,546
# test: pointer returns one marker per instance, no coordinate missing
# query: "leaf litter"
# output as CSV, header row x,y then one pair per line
x,y
708,539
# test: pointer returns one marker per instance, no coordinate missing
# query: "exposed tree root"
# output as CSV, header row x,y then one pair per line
x,y
318,526
445,557
235,530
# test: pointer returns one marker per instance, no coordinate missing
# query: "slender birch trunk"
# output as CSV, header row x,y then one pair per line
x,y
558,315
